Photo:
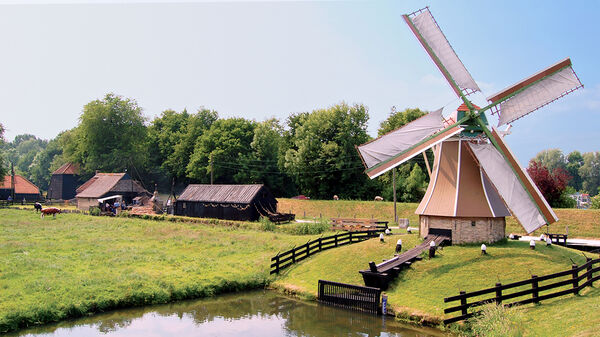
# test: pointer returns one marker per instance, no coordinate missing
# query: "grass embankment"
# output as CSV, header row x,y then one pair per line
x,y
418,292
52,269
582,223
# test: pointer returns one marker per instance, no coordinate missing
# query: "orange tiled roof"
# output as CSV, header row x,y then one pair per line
x,y
68,168
463,107
22,185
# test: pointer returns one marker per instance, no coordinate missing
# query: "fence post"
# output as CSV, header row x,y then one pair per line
x,y
294,255
319,244
588,260
463,302
277,264
308,249
335,239
498,293
350,236
575,281
534,285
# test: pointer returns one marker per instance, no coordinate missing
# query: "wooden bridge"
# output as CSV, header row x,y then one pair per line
x,y
380,275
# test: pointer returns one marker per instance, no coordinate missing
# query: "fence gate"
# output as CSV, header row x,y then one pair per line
x,y
349,296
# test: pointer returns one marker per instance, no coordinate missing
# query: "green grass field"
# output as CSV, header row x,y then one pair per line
x,y
51,269
417,294
582,223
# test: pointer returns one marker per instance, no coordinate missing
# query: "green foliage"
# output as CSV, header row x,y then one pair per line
x,y
498,321
225,143
322,155
95,211
397,119
266,225
308,228
595,204
590,172
574,162
551,159
3,169
111,135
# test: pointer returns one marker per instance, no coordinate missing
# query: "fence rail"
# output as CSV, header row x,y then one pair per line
x,y
568,277
297,254
349,296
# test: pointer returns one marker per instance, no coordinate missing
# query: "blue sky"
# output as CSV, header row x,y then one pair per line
x,y
269,59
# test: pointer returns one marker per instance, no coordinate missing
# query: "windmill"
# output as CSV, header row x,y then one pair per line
x,y
476,180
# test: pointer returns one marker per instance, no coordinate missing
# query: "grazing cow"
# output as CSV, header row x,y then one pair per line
x,y
50,210
378,198
37,206
335,197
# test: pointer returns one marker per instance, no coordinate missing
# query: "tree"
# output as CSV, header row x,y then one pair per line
x,y
322,157
551,159
397,119
590,172
552,184
574,163
262,164
197,124
226,143
111,135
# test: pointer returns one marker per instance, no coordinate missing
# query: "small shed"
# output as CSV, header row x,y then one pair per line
x,y
230,202
105,185
23,189
64,182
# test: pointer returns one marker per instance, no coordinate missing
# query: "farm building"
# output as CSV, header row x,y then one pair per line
x,y
105,185
64,182
231,202
23,189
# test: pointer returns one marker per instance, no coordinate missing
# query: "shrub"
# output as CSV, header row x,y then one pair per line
x,y
94,211
595,202
498,320
266,225
309,228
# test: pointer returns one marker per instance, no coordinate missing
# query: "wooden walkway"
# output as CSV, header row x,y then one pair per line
x,y
380,275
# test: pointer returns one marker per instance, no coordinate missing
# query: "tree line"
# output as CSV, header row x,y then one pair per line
x,y
311,153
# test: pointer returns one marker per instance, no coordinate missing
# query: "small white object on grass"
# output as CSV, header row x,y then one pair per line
x,y
388,231
548,242
532,244
432,244
381,237
483,249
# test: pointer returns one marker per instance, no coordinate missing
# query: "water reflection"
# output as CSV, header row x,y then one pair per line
x,y
261,313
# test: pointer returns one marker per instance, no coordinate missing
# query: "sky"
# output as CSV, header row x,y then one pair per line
x,y
260,60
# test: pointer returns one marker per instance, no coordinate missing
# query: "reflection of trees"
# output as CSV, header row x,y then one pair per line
x,y
301,318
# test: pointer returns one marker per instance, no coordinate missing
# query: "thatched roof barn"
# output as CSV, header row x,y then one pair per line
x,y
231,202
108,184
23,189
64,182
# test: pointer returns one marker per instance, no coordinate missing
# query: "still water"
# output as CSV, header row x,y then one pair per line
x,y
259,313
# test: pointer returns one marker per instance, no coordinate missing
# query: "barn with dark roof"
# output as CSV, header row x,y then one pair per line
x,y
64,182
230,202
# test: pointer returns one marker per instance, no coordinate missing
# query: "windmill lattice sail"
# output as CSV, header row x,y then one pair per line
x,y
439,49
535,92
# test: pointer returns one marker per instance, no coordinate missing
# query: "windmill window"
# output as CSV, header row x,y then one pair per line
x,y
473,223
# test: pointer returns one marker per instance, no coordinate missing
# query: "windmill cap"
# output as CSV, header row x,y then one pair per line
x,y
464,107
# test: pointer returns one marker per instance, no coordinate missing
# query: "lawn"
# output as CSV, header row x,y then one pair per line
x,y
418,292
51,269
581,223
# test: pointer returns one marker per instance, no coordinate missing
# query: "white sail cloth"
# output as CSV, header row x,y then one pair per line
x,y
397,141
538,95
440,46
508,186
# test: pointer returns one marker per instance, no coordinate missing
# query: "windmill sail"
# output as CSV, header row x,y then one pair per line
x,y
514,185
535,91
427,31
398,146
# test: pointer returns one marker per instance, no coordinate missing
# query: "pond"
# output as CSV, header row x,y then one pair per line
x,y
258,313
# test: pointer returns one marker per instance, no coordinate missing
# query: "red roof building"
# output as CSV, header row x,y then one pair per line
x,y
23,189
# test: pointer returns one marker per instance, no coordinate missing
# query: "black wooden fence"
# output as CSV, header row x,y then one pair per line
x,y
349,296
531,288
297,254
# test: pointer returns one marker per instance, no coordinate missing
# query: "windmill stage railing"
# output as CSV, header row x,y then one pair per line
x,y
297,254
563,283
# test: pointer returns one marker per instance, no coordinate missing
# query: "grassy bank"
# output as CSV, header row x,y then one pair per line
x,y
51,269
419,291
582,223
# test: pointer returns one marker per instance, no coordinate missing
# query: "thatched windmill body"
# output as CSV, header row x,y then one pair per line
x,y
476,181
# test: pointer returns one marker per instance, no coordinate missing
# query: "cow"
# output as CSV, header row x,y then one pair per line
x,y
50,210
335,197
37,206
378,198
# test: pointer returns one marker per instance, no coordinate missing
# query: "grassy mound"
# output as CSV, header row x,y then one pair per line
x,y
52,269
419,291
